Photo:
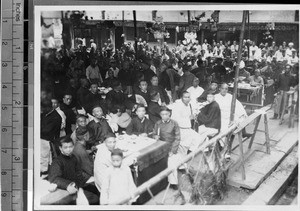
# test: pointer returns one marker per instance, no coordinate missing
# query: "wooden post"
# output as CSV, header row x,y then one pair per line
x,y
135,33
255,130
267,133
123,26
189,17
233,102
242,154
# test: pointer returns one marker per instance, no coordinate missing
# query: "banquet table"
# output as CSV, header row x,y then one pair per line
x,y
249,95
146,158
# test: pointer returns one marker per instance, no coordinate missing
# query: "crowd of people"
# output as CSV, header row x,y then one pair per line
x,y
178,95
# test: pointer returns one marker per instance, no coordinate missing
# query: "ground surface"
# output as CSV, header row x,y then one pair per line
x,y
236,196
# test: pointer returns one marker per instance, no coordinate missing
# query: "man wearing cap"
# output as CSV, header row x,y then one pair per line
x,y
289,49
294,58
99,125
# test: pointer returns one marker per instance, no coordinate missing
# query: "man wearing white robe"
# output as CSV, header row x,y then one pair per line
x,y
224,100
182,113
103,160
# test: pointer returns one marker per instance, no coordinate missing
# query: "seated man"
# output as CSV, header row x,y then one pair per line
x,y
224,99
154,107
256,79
182,113
244,73
65,172
69,111
143,91
99,125
140,125
162,93
82,133
103,159
209,118
195,91
213,88
93,98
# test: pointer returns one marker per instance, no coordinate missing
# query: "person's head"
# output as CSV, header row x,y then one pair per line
x,y
66,145
140,111
210,96
126,65
97,112
46,106
67,99
84,82
110,73
154,96
213,86
117,86
143,85
223,89
81,120
154,81
165,113
287,69
94,88
55,103
257,72
205,40
93,62
116,157
186,97
110,141
196,82
73,82
113,64
219,61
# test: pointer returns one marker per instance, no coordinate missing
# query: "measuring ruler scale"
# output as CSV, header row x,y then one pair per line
x,y
12,105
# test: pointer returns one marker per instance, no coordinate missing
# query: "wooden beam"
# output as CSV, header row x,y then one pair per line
x,y
233,102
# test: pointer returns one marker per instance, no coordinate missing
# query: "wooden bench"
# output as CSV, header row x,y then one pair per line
x,y
256,116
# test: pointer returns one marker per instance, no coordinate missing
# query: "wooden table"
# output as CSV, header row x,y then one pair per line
x,y
248,95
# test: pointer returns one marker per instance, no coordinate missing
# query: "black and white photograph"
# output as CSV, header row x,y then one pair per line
x,y
157,106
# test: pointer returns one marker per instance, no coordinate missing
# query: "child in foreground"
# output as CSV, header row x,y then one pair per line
x,y
118,181
66,174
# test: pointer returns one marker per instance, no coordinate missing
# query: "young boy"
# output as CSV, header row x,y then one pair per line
x,y
103,159
65,172
118,182
168,130
143,91
140,125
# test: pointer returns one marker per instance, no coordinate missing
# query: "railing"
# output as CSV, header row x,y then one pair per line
x,y
154,180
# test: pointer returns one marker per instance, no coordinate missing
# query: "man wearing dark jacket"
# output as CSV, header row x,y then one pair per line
x,y
209,118
69,111
50,130
154,107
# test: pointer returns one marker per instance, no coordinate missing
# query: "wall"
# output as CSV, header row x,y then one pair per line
x,y
258,16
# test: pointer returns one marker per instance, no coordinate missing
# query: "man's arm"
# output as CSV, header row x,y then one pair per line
x,y
176,142
56,176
